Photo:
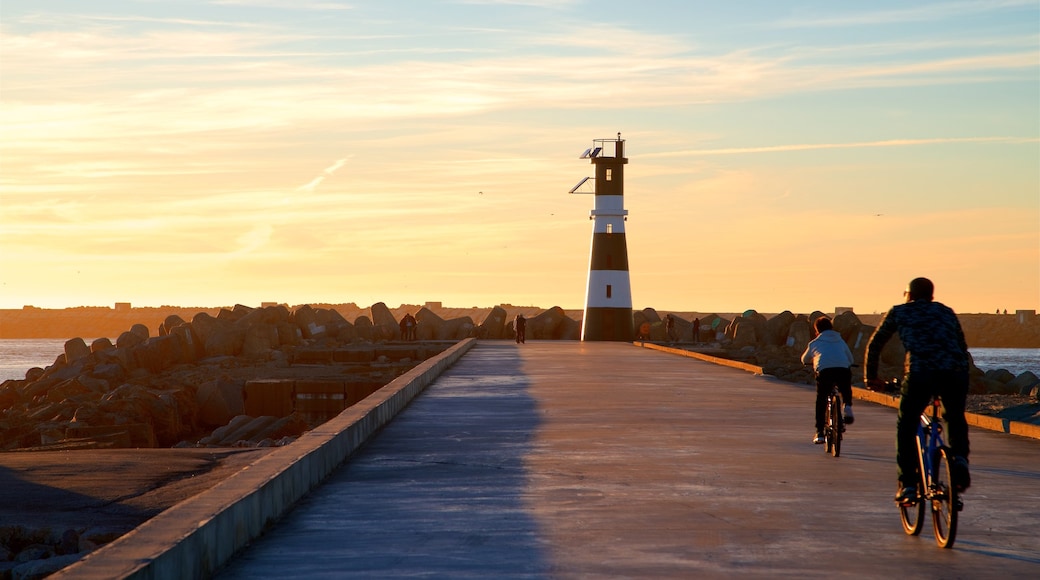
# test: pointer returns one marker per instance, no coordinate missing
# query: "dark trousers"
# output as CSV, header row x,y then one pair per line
x,y
917,391
825,381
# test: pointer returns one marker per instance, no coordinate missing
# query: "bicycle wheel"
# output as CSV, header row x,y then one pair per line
x,y
912,515
943,498
837,424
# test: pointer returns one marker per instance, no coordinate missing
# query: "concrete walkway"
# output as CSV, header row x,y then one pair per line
x,y
585,460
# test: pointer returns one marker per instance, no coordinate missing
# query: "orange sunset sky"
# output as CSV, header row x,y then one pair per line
x,y
782,155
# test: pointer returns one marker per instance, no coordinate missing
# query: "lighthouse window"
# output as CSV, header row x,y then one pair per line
x,y
609,174
608,290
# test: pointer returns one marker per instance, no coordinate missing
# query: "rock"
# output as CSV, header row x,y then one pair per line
x,y
1024,382
76,349
847,324
203,325
225,340
172,321
220,401
363,327
777,329
101,345
129,339
306,319
799,334
494,324
458,328
1000,375
742,333
191,346
385,326
428,326
553,324
140,330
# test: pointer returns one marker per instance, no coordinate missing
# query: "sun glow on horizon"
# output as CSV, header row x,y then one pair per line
x,y
215,153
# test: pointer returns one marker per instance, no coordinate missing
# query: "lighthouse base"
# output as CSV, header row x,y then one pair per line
x,y
607,324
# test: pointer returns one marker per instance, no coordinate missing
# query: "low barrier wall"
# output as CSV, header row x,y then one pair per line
x,y
974,419
195,537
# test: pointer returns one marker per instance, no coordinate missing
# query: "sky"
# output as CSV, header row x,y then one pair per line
x,y
799,155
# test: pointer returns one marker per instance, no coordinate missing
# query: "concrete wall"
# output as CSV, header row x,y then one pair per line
x,y
195,537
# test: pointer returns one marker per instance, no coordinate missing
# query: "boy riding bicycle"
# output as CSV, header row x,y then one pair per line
x,y
831,359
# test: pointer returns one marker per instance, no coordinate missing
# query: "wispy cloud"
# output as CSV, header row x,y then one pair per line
x,y
858,145
314,183
921,13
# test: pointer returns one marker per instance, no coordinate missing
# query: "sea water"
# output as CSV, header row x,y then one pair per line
x,y
18,355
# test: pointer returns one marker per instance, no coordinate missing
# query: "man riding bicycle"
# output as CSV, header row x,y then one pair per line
x,y
831,359
936,364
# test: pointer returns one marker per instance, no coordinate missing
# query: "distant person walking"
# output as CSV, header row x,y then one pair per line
x,y
409,323
832,360
521,329
696,331
936,364
670,325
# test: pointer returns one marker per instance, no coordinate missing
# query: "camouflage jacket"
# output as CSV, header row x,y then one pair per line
x,y
931,334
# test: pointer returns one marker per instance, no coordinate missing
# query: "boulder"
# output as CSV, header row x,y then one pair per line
x,y
1000,375
381,316
203,325
220,401
140,330
798,334
1024,383
226,340
191,347
847,324
101,345
172,321
429,326
158,353
742,333
129,339
777,329
363,328
75,349
110,372
494,324
553,324
306,319
339,327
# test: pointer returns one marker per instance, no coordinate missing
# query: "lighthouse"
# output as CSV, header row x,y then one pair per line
x,y
608,296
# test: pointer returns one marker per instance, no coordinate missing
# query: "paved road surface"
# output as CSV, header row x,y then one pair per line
x,y
567,460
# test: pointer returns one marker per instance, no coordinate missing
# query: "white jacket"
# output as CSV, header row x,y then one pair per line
x,y
828,351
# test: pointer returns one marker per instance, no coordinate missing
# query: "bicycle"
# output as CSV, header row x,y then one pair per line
x,y
935,484
834,423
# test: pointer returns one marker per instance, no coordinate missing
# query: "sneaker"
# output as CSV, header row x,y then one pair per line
x,y
907,495
818,440
849,416
960,474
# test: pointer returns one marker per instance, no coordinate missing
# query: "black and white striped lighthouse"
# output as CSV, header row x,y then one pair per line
x,y
608,298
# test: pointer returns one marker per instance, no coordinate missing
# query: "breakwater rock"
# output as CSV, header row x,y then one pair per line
x,y
261,376
238,376
776,344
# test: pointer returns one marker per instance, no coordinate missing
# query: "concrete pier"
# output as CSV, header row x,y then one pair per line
x,y
562,459
588,460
